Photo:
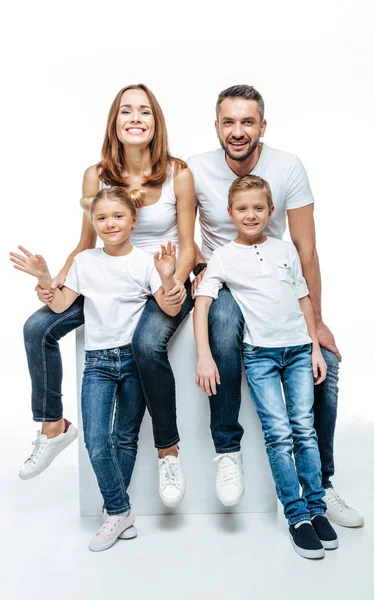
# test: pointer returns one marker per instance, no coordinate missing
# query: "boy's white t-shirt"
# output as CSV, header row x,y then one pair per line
x,y
284,172
267,282
115,290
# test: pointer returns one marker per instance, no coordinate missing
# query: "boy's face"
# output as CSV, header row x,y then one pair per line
x,y
113,221
250,212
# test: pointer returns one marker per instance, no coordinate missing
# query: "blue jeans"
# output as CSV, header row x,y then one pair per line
x,y
113,407
44,329
288,425
226,326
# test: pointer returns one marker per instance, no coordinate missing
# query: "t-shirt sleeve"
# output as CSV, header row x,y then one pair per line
x,y
298,191
72,279
154,279
213,279
301,287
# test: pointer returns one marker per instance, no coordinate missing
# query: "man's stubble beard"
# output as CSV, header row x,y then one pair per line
x,y
251,149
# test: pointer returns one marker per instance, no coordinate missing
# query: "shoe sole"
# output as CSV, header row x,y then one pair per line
x,y
73,436
343,524
330,544
234,502
129,534
312,554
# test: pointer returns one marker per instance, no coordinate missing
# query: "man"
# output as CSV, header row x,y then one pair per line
x,y
240,124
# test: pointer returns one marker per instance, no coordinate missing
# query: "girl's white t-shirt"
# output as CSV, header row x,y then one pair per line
x,y
115,290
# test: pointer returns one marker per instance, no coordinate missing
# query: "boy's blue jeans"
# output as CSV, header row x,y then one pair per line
x,y
44,329
226,325
112,411
288,425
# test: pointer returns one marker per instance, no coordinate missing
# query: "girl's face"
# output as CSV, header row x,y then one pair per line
x,y
135,121
113,221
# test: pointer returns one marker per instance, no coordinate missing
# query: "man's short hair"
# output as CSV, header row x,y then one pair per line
x,y
248,92
250,182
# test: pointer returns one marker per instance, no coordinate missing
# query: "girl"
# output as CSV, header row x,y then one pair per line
x,y
116,281
134,155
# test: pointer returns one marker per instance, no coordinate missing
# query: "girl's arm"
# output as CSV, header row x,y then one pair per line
x,y
165,265
185,195
35,265
207,375
318,362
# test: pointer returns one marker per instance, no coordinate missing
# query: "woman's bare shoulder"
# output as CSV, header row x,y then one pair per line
x,y
91,182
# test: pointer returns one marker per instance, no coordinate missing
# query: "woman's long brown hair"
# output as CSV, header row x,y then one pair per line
x,y
112,162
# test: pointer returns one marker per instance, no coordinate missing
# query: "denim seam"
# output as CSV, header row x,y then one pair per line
x,y
228,450
119,511
317,511
44,362
113,450
304,517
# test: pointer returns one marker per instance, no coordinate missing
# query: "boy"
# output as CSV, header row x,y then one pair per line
x,y
280,346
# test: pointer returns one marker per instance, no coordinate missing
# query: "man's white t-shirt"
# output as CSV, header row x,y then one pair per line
x,y
267,282
115,290
284,172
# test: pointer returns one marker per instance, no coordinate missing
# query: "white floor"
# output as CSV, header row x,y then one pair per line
x,y
44,543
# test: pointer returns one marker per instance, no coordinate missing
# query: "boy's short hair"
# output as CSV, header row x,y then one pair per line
x,y
250,182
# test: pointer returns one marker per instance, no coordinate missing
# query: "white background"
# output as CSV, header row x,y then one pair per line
x,y
63,65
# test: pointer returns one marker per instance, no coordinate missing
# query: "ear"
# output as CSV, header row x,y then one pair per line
x,y
134,221
271,210
230,213
216,125
263,128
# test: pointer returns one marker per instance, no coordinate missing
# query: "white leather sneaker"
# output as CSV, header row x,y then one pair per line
x,y
229,482
45,450
129,533
109,532
339,512
172,484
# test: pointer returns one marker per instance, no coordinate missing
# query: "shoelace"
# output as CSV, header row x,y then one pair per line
x,y
169,473
109,525
39,445
227,469
336,500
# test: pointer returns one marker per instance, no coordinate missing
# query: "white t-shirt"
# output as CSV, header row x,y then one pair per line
x,y
267,282
284,172
115,290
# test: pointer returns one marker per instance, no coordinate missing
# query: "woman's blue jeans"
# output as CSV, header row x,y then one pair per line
x,y
226,325
44,329
113,407
288,425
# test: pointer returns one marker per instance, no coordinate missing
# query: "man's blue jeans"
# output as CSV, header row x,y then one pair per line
x,y
44,329
226,325
288,425
113,407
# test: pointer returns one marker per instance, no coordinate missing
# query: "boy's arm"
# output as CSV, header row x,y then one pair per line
x,y
207,375
318,362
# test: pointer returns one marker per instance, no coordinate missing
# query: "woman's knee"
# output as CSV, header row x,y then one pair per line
x,y
35,327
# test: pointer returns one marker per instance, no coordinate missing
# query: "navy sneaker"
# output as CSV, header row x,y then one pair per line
x,y
306,542
325,532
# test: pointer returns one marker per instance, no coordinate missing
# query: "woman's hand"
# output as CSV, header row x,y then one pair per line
x,y
165,261
319,366
207,375
177,294
33,264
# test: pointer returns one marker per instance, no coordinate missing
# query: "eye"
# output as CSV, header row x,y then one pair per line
x,y
259,208
146,112
100,218
119,216
124,111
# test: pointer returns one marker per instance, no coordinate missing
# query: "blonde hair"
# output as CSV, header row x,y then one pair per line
x,y
250,182
133,199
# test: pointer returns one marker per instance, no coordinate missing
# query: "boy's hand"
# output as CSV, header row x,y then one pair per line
x,y
165,262
33,264
207,375
319,366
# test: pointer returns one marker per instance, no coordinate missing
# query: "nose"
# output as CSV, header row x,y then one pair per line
x,y
135,117
110,223
237,130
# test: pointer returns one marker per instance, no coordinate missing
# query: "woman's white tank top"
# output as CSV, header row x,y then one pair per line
x,y
157,223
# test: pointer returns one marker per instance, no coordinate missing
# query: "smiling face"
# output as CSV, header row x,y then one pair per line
x,y
113,222
135,124
250,212
239,127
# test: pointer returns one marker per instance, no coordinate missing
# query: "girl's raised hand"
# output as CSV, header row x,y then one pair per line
x,y
165,261
33,264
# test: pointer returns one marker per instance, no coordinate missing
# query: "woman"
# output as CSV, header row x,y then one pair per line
x,y
135,154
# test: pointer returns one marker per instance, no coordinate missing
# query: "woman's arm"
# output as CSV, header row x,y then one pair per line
x,y
318,362
185,195
207,375
165,265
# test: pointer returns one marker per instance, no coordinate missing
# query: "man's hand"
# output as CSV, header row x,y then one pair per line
x,y
319,366
326,339
33,264
207,375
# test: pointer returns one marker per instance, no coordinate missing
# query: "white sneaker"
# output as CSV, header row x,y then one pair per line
x,y
129,533
172,483
229,483
45,450
339,512
108,533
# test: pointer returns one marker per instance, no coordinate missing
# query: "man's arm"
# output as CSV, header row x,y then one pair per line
x,y
302,230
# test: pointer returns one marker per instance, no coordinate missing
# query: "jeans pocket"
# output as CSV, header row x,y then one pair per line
x,y
249,349
91,362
